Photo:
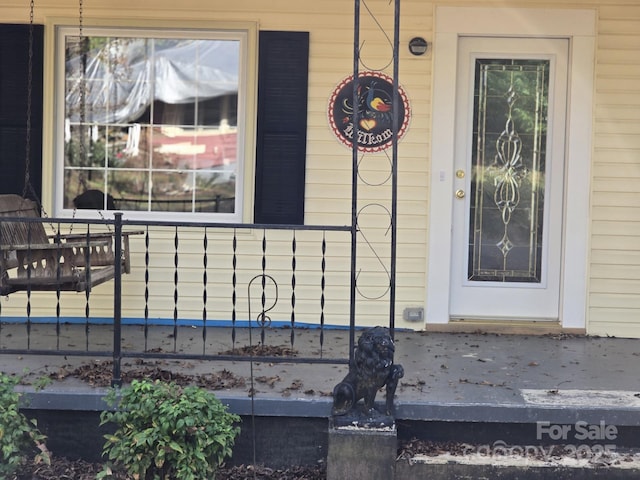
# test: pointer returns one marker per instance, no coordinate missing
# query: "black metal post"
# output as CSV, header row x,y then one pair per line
x,y
394,167
116,381
354,178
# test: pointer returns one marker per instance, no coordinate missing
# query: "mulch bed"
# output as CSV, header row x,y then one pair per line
x,y
63,469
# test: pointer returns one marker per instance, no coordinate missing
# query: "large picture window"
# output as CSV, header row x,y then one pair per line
x,y
151,121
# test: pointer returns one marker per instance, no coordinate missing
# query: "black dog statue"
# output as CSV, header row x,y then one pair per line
x,y
370,369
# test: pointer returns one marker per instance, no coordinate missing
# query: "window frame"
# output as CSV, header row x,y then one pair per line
x,y
53,168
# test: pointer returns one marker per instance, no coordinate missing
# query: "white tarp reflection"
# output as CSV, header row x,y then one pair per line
x,y
127,74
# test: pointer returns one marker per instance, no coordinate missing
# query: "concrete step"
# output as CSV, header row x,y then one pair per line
x,y
487,466
526,451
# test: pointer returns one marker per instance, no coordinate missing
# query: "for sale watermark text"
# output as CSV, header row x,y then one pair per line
x,y
579,431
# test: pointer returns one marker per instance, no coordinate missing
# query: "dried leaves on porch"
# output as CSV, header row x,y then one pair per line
x,y
99,374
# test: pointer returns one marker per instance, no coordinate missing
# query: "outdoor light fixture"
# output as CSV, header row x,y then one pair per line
x,y
418,46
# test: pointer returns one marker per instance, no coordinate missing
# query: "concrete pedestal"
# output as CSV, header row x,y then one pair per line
x,y
361,453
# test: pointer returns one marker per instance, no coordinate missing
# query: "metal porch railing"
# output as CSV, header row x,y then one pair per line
x,y
197,281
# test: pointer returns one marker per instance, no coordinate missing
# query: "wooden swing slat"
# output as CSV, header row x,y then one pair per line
x,y
53,246
73,262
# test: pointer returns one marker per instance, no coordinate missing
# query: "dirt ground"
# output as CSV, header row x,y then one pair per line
x,y
63,469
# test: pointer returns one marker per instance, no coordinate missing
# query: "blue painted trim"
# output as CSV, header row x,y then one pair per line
x,y
168,322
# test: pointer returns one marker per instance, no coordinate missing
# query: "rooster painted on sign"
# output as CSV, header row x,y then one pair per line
x,y
374,107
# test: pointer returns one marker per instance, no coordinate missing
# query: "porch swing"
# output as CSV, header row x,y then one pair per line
x,y
31,260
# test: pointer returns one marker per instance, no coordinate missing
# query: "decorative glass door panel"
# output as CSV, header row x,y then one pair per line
x,y
508,178
508,170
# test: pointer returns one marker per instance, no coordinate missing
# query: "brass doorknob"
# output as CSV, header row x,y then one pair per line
x,y
459,193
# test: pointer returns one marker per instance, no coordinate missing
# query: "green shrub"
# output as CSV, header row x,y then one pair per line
x,y
168,432
19,437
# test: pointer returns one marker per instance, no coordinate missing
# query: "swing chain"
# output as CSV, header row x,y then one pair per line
x,y
27,186
27,165
80,19
83,93
84,45
83,102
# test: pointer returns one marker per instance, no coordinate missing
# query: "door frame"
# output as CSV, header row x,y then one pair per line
x,y
578,26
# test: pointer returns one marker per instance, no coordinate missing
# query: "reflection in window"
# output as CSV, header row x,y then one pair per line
x,y
153,121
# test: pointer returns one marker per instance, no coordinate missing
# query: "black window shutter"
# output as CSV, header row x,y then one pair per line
x,y
14,71
282,127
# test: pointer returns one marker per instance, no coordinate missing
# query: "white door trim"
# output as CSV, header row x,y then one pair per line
x,y
579,27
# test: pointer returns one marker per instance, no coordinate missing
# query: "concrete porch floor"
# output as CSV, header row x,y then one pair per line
x,y
449,377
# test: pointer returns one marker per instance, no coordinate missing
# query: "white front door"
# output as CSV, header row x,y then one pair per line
x,y
558,257
509,164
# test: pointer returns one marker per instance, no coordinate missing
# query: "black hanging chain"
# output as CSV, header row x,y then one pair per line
x,y
80,19
83,80
27,164
83,100
27,187
84,49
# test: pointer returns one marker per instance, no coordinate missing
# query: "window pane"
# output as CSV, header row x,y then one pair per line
x,y
80,181
130,189
157,118
508,183
214,191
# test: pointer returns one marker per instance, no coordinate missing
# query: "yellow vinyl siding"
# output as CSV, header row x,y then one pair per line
x,y
614,295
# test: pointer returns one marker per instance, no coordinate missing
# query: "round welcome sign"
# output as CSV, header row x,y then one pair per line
x,y
375,109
